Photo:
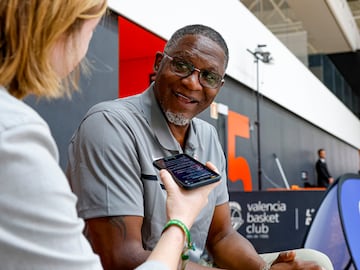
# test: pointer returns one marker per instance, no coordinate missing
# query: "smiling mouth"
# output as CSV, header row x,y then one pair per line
x,y
185,98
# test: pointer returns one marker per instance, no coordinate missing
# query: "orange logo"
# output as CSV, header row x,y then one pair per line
x,y
238,168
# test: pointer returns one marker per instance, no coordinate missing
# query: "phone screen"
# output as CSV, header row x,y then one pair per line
x,y
187,171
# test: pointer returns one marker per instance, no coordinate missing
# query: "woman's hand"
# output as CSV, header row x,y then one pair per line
x,y
185,205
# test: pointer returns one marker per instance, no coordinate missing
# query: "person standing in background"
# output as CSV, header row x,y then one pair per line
x,y
324,179
359,162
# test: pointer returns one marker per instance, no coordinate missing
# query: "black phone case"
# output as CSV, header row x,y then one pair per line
x,y
184,180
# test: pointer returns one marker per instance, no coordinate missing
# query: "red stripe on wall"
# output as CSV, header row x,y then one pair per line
x,y
137,49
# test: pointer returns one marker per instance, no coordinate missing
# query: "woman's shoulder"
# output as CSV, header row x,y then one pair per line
x,y
15,112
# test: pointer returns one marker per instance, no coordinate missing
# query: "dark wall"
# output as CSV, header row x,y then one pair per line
x,y
294,140
64,116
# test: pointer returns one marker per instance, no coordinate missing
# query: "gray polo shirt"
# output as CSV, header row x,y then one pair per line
x,y
110,164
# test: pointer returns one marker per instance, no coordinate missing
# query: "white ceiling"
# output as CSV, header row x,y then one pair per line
x,y
331,26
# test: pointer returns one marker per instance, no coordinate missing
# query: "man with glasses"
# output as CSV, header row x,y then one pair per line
x,y
111,155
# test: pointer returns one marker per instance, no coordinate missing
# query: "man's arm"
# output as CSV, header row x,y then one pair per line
x,y
117,240
229,249
325,171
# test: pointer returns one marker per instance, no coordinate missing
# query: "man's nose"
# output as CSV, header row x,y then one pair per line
x,y
193,80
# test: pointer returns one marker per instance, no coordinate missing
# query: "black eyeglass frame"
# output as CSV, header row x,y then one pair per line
x,y
192,68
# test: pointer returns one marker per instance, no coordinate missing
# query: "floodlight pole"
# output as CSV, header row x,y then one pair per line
x,y
265,58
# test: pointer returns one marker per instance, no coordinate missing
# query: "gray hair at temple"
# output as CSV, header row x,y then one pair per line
x,y
202,30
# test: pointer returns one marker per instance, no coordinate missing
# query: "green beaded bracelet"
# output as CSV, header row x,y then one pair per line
x,y
190,245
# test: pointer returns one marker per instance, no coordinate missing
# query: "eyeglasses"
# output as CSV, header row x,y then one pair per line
x,y
184,69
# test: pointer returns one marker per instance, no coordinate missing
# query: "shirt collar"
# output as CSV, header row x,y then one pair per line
x,y
159,125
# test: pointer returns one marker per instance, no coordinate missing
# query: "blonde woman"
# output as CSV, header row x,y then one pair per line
x,y
41,43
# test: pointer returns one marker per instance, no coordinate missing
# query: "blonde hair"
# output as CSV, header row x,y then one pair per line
x,y
29,29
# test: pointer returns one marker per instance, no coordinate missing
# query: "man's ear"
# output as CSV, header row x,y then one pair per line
x,y
158,57
222,82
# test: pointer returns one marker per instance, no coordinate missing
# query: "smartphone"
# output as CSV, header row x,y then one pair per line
x,y
187,171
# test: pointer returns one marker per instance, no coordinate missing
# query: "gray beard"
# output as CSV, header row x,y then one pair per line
x,y
177,119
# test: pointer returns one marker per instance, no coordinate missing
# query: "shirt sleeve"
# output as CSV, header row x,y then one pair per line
x,y
39,225
151,265
104,168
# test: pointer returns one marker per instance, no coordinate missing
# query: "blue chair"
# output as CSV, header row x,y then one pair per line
x,y
335,229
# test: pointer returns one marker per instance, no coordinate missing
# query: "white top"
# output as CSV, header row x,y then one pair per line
x,y
152,265
39,226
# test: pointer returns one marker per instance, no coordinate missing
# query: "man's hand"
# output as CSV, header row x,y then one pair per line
x,y
286,260
285,256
